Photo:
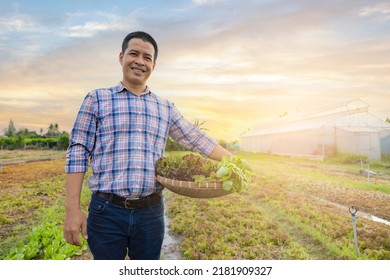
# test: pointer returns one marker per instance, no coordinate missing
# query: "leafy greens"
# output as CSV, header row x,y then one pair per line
x,y
233,172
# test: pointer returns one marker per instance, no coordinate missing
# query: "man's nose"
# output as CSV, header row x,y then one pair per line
x,y
140,61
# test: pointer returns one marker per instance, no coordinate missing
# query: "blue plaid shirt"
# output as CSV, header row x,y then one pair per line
x,y
123,135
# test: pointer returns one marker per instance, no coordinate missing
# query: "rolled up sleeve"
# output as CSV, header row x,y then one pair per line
x,y
82,138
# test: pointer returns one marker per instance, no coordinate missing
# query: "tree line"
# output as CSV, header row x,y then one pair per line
x,y
23,138
54,139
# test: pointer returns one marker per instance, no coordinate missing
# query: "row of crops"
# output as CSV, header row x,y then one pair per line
x,y
287,212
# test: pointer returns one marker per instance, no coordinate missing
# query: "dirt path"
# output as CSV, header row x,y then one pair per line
x,y
171,245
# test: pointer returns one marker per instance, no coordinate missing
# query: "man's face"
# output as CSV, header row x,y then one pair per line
x,y
137,63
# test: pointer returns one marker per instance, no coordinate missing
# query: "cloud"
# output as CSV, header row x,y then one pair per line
x,y
379,11
205,2
23,36
36,111
229,64
107,22
16,23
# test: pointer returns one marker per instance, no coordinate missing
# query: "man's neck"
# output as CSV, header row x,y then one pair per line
x,y
135,89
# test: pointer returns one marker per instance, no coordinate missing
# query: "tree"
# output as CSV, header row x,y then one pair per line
x,y
11,130
50,130
53,130
24,132
63,141
56,130
388,120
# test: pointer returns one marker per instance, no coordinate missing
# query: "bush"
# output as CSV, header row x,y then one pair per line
x,y
349,158
20,142
386,157
63,141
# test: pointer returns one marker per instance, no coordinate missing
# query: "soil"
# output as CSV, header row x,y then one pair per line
x,y
13,176
374,203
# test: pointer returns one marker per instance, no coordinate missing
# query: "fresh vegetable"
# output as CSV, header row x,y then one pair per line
x,y
233,172
186,168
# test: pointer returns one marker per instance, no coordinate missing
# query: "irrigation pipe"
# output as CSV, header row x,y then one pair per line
x,y
353,210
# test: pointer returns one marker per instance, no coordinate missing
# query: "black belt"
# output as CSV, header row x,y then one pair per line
x,y
131,203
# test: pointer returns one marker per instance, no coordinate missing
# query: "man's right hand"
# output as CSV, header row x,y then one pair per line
x,y
75,221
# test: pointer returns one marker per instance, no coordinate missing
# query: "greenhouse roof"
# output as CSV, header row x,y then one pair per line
x,y
351,116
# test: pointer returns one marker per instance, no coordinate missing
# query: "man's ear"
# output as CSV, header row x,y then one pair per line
x,y
121,58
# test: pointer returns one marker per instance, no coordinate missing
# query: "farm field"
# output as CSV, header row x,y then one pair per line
x,y
20,156
294,209
31,195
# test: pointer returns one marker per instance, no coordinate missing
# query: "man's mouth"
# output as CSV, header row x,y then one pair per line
x,y
136,69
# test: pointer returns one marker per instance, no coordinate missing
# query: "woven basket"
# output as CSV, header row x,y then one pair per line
x,y
192,189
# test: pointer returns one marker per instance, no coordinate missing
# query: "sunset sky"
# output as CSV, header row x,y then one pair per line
x,y
229,63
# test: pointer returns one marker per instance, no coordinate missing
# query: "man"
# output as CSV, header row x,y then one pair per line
x,y
123,131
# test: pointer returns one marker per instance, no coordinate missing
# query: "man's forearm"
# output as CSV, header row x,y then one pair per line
x,y
219,152
74,184
75,220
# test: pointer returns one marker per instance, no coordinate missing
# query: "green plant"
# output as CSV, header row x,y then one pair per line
x,y
349,158
233,172
185,167
386,158
291,211
45,242
42,236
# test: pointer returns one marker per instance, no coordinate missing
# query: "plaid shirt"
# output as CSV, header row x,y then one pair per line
x,y
123,135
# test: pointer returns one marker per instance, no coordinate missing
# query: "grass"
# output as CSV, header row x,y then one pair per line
x,y
288,212
225,229
34,230
14,156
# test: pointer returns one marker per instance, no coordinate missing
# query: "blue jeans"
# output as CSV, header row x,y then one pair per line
x,y
114,231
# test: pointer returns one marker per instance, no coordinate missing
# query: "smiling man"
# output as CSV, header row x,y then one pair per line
x,y
138,60
122,132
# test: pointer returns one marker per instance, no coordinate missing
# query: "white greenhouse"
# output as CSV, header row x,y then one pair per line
x,y
347,128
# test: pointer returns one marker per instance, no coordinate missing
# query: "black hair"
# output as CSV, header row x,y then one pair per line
x,y
143,36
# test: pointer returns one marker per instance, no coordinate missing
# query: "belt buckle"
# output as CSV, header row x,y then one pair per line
x,y
130,200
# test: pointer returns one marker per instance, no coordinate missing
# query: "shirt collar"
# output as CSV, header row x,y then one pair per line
x,y
120,87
